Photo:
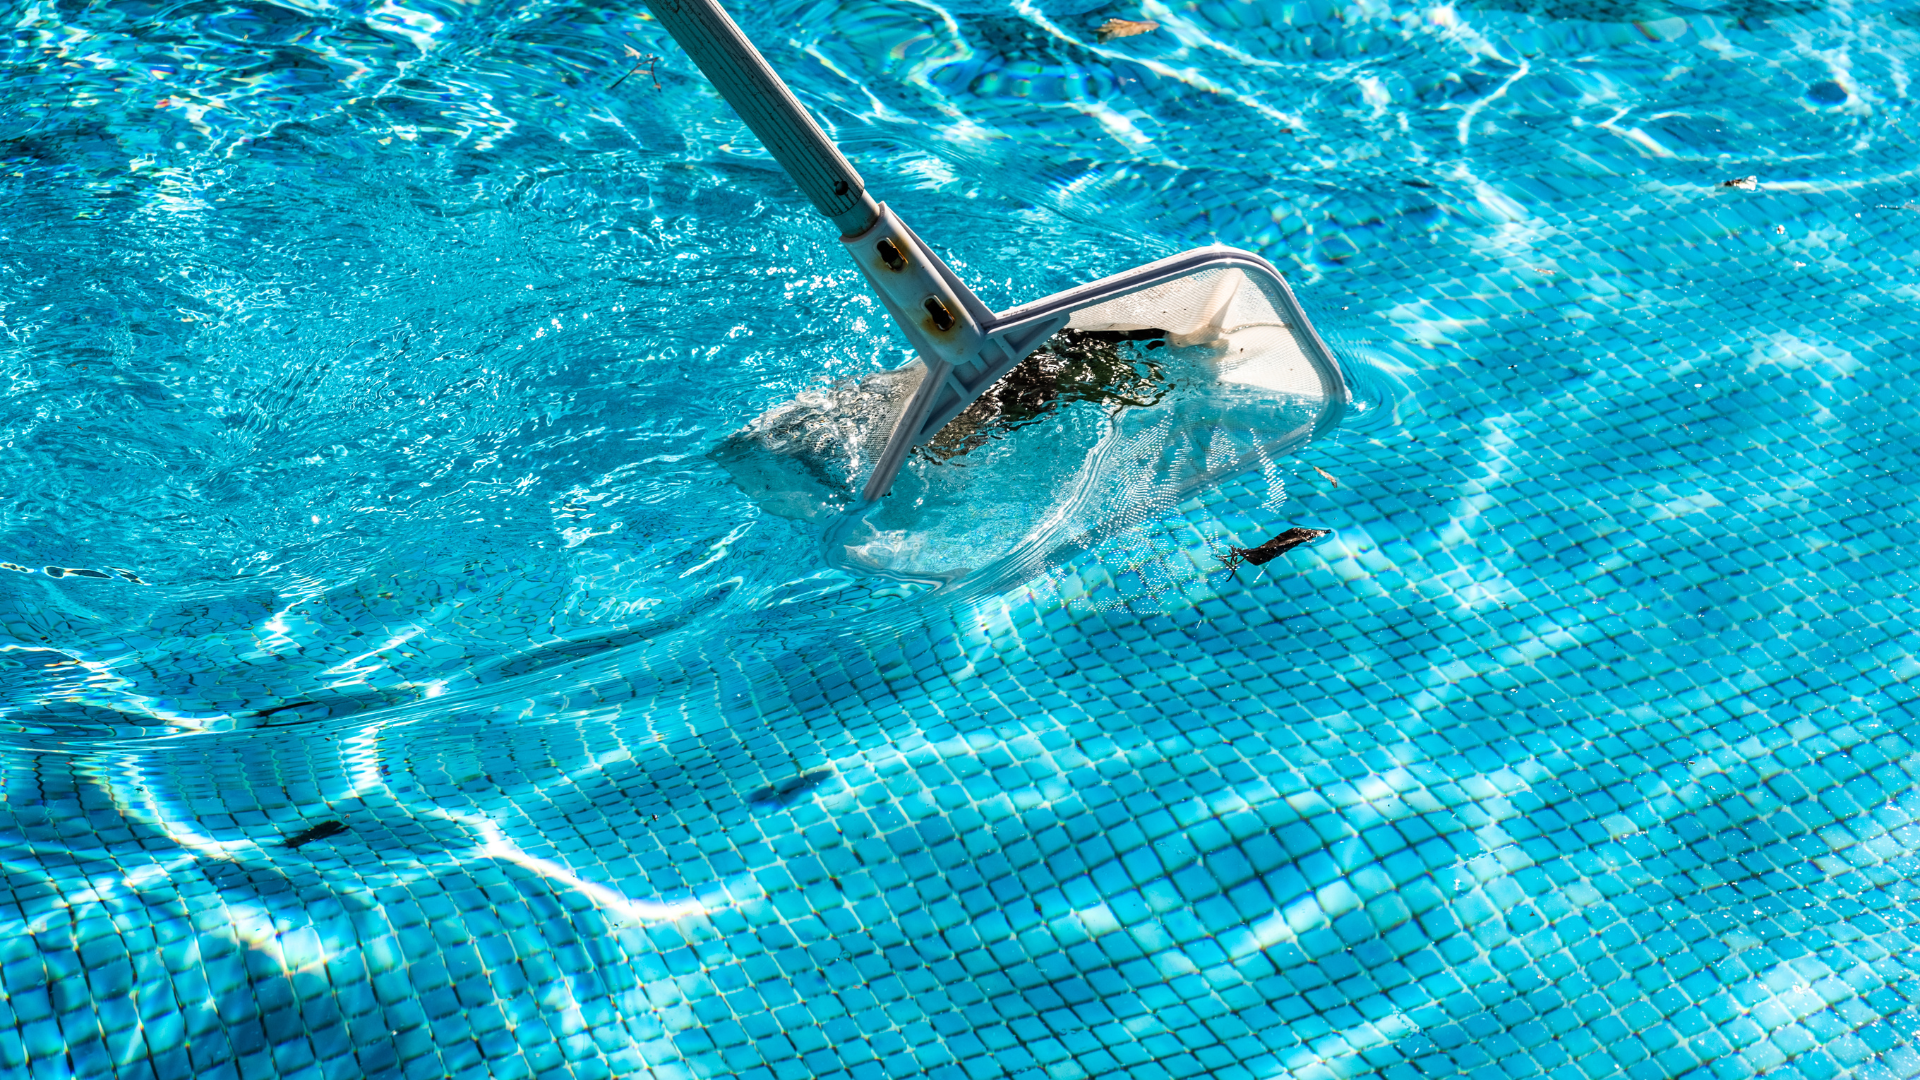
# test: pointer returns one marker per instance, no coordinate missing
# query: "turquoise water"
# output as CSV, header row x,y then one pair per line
x,y
391,685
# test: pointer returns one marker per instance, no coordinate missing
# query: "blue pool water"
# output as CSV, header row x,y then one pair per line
x,y
391,685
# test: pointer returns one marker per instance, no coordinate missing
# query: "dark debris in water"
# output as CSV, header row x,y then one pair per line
x,y
549,653
639,59
1073,366
1827,92
1274,548
335,704
318,831
786,791
108,574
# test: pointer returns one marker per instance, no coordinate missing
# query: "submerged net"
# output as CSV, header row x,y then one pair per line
x,y
1106,427
804,459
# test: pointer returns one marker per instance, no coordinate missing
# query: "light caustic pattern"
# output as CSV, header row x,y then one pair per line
x,y
393,686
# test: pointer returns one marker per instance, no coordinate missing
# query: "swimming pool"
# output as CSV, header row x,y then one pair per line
x,y
392,685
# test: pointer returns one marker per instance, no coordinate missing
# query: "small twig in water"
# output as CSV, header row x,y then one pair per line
x,y
638,59
1326,474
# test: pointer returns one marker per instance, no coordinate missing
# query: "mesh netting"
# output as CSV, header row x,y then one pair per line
x,y
1237,386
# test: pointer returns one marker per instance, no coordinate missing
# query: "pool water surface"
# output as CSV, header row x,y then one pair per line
x,y
393,684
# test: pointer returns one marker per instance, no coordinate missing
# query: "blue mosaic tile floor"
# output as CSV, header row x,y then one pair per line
x,y
391,686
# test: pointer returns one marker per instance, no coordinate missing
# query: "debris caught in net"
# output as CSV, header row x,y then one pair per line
x,y
1111,369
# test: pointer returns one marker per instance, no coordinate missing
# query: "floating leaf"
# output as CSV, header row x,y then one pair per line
x,y
1119,28
1273,548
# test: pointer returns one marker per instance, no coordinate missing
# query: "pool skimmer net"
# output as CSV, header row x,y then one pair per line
x,y
1227,306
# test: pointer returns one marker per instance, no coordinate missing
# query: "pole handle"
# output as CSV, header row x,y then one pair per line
x,y
742,76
